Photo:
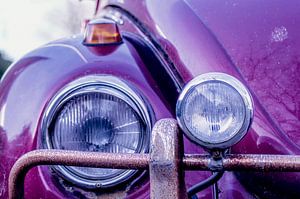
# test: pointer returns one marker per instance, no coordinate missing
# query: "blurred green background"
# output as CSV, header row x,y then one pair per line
x,y
4,63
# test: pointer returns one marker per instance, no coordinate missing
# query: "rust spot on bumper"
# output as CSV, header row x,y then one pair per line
x,y
70,158
280,163
166,171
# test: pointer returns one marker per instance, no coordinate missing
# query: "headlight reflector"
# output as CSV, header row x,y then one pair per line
x,y
215,110
102,116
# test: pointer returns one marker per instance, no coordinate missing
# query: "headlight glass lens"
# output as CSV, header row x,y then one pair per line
x,y
215,110
97,122
106,117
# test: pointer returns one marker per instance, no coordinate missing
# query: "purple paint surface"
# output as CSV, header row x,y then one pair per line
x,y
256,41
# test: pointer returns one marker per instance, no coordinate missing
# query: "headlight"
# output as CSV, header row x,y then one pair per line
x,y
98,114
215,110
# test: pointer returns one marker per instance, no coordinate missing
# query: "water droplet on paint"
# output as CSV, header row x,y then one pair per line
x,y
279,34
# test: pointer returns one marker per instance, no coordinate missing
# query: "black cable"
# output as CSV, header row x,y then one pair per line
x,y
215,191
204,184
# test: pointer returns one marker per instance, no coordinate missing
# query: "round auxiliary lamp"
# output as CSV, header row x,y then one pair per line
x,y
215,110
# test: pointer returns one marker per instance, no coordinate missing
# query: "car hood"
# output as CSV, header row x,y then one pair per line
x,y
262,39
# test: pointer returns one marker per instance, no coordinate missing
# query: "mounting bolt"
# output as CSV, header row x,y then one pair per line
x,y
98,185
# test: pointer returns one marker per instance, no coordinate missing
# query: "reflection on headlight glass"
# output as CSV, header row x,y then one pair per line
x,y
214,111
97,122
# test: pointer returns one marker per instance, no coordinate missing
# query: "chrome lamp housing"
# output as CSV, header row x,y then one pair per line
x,y
97,114
215,110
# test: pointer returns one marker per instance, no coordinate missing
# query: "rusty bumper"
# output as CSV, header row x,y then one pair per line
x,y
165,162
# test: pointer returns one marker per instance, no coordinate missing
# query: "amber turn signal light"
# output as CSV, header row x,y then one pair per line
x,y
102,32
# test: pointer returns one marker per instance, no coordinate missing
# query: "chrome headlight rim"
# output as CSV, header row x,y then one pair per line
x,y
229,81
106,84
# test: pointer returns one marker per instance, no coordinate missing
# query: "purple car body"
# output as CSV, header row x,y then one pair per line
x,y
172,42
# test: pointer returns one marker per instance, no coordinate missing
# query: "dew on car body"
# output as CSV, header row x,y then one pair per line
x,y
279,34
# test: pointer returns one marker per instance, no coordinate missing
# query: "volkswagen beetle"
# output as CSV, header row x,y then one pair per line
x,y
160,99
